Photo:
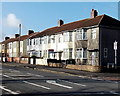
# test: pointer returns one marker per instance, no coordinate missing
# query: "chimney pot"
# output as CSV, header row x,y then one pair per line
x,y
17,35
6,38
94,13
60,22
30,32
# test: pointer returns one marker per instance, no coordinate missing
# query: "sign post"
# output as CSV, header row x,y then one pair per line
x,y
115,48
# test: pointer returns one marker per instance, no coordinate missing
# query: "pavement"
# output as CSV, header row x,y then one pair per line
x,y
85,74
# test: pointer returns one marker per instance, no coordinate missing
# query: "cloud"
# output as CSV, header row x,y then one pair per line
x,y
12,20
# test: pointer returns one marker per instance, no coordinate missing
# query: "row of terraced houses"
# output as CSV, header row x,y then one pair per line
x,y
90,44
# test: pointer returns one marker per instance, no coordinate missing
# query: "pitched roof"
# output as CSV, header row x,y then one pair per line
x,y
98,20
17,39
109,21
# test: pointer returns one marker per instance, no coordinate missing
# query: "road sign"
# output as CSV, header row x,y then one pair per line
x,y
115,45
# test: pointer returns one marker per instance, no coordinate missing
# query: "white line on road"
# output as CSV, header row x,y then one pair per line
x,y
14,70
73,83
8,76
35,75
36,85
54,83
113,92
8,90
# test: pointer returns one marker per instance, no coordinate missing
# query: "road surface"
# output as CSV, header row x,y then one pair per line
x,y
24,81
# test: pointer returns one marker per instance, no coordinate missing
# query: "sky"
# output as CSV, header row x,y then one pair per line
x,y
39,16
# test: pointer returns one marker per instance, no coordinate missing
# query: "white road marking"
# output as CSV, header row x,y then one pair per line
x,y
113,92
35,75
36,85
8,76
54,83
8,90
73,83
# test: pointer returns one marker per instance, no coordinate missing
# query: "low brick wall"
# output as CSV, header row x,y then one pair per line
x,y
84,67
24,60
9,59
41,61
16,59
77,67
59,65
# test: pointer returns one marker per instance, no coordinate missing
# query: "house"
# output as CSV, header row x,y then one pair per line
x,y
86,44
4,49
15,49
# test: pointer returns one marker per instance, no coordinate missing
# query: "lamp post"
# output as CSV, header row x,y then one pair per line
x,y
115,48
19,40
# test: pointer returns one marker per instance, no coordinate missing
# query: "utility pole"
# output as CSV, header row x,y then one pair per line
x,y
19,40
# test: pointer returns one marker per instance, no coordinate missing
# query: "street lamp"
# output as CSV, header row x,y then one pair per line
x,y
115,48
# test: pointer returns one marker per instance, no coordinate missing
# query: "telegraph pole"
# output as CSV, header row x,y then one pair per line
x,y
19,40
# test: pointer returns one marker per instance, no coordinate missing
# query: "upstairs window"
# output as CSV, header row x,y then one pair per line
x,y
93,34
53,39
67,36
30,41
49,39
27,41
45,40
59,38
40,40
10,46
70,36
81,34
33,41
36,41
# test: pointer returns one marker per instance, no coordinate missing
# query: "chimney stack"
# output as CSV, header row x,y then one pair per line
x,y
30,32
60,22
6,38
17,35
94,13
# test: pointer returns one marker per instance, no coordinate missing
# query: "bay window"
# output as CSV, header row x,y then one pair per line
x,y
93,34
81,53
68,53
81,34
67,36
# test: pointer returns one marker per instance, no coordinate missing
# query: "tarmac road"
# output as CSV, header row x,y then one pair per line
x,y
23,81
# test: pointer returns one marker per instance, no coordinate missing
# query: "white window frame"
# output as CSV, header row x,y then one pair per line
x,y
53,38
70,36
80,53
66,53
34,41
93,34
40,40
49,39
81,34
45,39
59,38
70,53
